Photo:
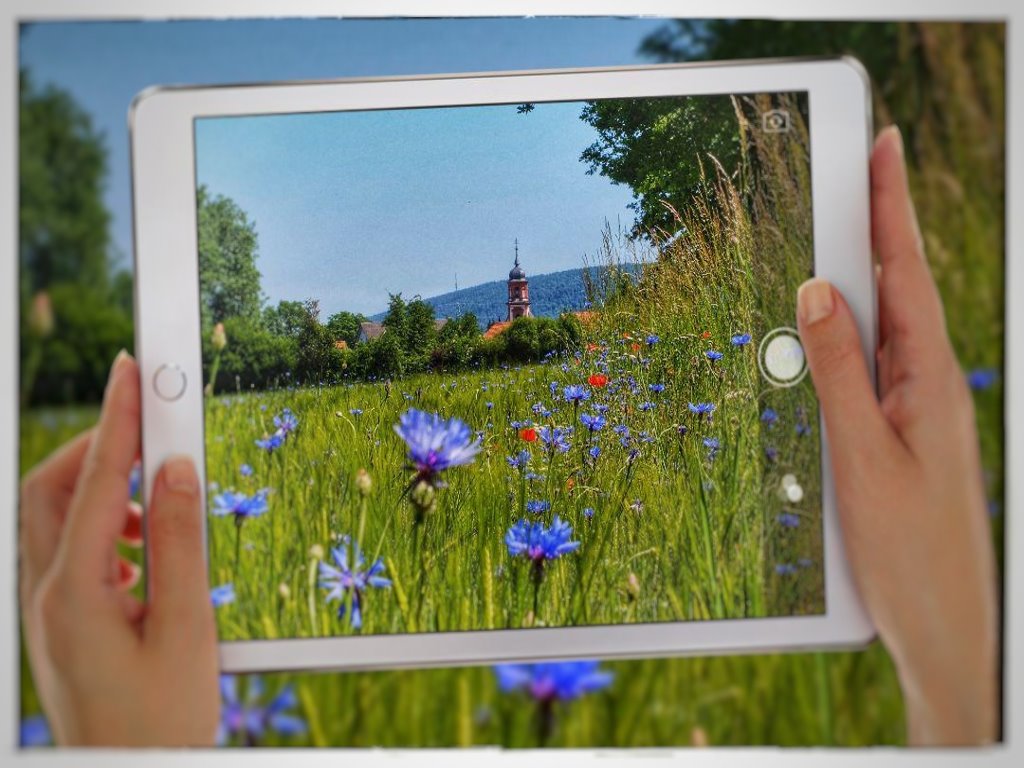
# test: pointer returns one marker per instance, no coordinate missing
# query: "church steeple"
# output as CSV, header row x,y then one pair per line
x,y
518,290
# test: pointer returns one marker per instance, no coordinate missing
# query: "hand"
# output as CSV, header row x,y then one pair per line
x,y
109,669
908,476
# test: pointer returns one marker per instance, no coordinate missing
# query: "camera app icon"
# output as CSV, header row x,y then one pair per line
x,y
775,121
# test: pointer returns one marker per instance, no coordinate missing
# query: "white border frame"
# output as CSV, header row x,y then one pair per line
x,y
167,329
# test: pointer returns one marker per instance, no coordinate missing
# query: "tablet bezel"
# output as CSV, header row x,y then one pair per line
x,y
167,325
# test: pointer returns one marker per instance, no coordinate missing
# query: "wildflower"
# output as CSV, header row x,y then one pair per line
x,y
219,339
520,460
637,506
651,340
702,409
489,405
222,595
531,476
284,591
575,394
364,483
788,520
769,416
714,355
529,434
601,408
286,422
805,562
134,480
595,452
553,386
785,569
594,423
316,552
656,388
705,335
554,439
271,443
713,446
803,429
980,379
249,719
621,430
740,339
545,682
588,512
245,470
771,453
538,543
356,412
435,444
598,380
635,347
538,507
646,406
240,505
346,577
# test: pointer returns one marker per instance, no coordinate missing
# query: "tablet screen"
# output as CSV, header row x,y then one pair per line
x,y
508,366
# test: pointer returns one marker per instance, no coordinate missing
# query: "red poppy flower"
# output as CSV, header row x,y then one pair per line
x,y
597,380
635,347
706,335
529,434
591,347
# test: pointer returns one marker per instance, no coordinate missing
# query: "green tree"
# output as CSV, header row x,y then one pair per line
x,y
396,317
286,319
344,326
420,330
228,248
63,225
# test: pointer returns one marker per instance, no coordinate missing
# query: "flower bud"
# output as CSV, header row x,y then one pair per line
x,y
633,586
316,552
219,338
363,482
423,497
40,316
284,591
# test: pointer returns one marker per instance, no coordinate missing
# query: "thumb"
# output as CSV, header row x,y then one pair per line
x,y
179,599
853,417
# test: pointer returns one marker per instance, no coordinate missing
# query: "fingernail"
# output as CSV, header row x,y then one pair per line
x,y
814,300
180,475
898,140
118,362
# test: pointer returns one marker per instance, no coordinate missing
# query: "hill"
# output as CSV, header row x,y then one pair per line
x,y
550,295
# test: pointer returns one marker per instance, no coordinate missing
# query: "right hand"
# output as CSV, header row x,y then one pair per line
x,y
908,476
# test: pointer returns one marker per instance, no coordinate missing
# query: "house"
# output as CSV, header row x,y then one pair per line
x,y
370,330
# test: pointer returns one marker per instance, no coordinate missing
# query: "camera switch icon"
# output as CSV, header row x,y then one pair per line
x,y
775,121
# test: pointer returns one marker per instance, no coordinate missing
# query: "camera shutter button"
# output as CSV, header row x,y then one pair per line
x,y
169,382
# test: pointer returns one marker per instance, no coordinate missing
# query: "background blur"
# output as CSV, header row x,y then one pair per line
x,y
943,83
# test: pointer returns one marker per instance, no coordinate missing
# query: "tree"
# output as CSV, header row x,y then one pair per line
x,y
656,147
344,326
228,248
420,331
286,319
63,225
395,319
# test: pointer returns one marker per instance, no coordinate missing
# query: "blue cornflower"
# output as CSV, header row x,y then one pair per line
x,y
651,340
702,409
588,512
621,430
637,505
554,439
788,520
553,386
272,442
656,388
489,406
531,476
135,480
245,470
785,569
771,453
250,719
538,543
740,339
646,406
803,429
546,682
343,576
982,378
538,507
601,408
594,423
241,505
222,595
520,460
713,446
595,452
805,562
286,422
713,354
769,416
35,732
575,394
356,411
435,444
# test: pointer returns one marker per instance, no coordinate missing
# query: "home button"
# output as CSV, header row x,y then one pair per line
x,y
169,382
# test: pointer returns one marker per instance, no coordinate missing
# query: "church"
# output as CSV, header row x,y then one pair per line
x,y
518,303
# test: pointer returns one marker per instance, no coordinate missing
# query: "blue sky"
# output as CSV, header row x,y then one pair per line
x,y
103,65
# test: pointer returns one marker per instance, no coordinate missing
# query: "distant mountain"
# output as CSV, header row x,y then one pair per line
x,y
551,294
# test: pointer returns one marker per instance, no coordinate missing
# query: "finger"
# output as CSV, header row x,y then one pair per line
x,y
910,303
45,493
97,512
179,594
853,418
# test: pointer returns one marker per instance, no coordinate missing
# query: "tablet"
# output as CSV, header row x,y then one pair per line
x,y
503,366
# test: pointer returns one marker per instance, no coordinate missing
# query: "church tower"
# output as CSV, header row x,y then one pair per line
x,y
518,291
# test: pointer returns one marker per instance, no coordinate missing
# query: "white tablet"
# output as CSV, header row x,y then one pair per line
x,y
503,366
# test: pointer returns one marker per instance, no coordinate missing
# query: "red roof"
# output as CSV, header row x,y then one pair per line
x,y
496,329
